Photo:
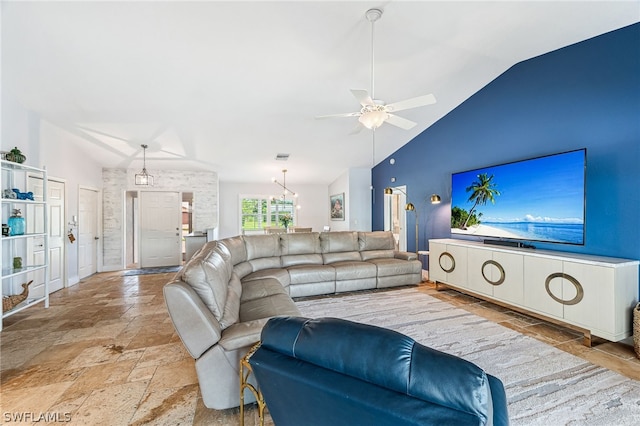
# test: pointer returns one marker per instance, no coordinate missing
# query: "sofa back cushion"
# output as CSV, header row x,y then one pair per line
x,y
336,242
376,245
300,249
231,311
263,252
208,272
259,246
236,248
377,240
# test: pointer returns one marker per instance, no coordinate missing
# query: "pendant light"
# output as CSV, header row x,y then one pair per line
x,y
143,178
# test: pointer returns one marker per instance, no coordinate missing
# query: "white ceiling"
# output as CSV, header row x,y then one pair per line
x,y
225,86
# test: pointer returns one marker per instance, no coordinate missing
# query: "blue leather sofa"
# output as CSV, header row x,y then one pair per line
x,y
330,371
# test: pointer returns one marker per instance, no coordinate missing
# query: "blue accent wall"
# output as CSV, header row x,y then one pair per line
x,y
585,95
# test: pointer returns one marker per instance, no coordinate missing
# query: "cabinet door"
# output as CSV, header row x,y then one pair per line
x,y
481,270
436,273
536,272
457,265
508,268
590,293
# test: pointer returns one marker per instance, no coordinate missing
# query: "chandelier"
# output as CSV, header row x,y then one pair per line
x,y
143,178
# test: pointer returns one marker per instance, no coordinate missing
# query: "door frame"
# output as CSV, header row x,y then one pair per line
x,y
399,191
98,227
65,206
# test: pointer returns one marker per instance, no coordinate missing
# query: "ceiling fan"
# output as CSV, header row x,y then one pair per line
x,y
375,112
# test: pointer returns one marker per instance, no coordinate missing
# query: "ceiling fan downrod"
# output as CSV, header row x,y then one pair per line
x,y
372,16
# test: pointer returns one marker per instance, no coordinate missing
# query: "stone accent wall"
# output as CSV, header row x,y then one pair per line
x,y
116,182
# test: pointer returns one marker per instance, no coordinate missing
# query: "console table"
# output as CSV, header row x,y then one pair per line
x,y
592,294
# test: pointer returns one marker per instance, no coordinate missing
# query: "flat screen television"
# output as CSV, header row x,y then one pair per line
x,y
539,199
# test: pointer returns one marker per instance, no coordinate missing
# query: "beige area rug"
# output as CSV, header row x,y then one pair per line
x,y
544,385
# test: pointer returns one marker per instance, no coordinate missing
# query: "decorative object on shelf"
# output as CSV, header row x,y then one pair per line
x,y
17,262
16,156
9,194
10,302
16,223
636,330
143,178
23,195
336,203
5,230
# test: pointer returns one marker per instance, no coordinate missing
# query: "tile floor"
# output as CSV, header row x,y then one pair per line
x,y
105,352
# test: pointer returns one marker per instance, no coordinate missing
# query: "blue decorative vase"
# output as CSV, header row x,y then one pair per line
x,y
16,223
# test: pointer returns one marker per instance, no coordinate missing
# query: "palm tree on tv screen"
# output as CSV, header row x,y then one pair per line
x,y
482,190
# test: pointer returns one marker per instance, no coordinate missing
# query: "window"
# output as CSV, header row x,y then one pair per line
x,y
259,212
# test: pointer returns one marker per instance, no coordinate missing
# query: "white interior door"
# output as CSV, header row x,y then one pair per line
x,y
160,221
35,224
87,232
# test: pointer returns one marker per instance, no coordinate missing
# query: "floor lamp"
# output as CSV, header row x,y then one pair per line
x,y
410,207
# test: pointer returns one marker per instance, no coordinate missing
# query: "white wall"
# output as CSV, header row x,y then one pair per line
x,y
116,182
45,144
356,185
313,199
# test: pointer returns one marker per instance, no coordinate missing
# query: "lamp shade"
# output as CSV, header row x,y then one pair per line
x,y
410,207
435,199
388,191
373,119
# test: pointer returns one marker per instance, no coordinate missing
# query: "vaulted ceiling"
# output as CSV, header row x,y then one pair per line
x,y
226,86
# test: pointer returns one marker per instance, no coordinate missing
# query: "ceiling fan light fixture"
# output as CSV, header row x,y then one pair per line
x,y
373,119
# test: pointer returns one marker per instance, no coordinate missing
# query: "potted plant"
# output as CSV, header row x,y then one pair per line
x,y
285,220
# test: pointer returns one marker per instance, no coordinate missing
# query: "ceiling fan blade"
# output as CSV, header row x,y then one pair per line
x,y
403,123
411,103
346,114
363,97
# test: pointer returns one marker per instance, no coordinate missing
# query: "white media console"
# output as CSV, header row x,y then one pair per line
x,y
593,294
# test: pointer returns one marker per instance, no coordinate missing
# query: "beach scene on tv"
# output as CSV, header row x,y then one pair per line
x,y
540,199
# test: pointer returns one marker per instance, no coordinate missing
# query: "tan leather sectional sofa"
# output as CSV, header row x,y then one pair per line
x,y
227,291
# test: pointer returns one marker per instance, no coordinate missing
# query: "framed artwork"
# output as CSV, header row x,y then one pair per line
x,y
337,206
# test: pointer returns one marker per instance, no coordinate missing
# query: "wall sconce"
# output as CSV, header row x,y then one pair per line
x,y
435,199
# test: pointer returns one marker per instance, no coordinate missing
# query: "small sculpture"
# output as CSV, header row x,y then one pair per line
x,y
23,195
10,302
7,193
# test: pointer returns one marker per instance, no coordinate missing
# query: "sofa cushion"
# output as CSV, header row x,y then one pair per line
x,y
301,259
390,266
377,240
259,288
376,254
267,307
303,274
259,246
231,312
209,273
354,270
335,242
279,274
301,243
236,248
343,256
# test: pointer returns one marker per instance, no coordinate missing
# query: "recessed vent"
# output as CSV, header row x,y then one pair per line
x,y
282,157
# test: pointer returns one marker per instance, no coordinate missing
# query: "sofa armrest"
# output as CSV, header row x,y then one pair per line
x,y
404,255
197,327
242,334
